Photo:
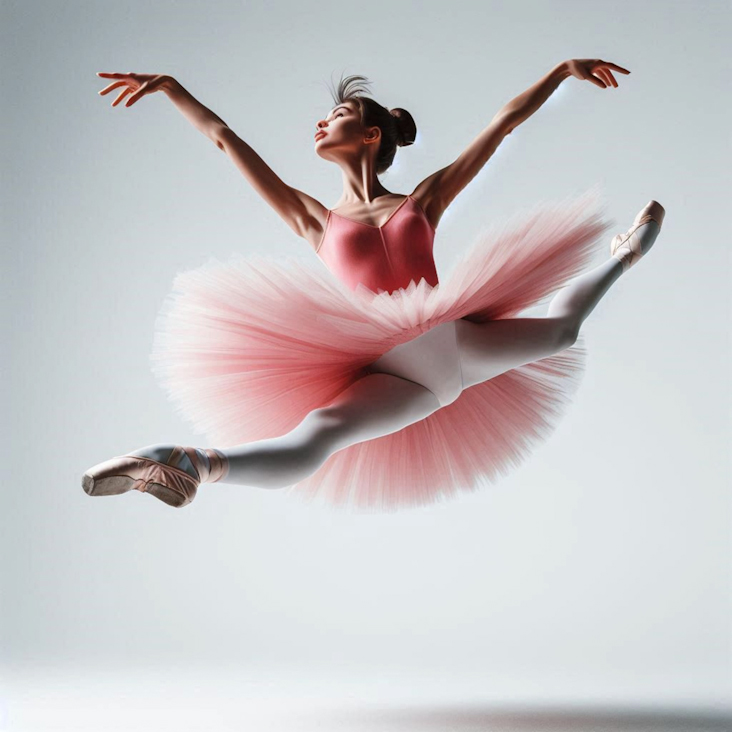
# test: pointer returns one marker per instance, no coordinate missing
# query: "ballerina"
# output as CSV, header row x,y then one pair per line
x,y
380,386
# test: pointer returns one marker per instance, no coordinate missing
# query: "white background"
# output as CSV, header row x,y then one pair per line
x,y
598,572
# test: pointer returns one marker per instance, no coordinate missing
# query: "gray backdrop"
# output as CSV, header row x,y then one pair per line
x,y
597,572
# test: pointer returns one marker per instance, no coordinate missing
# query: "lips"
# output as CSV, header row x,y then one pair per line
x,y
320,134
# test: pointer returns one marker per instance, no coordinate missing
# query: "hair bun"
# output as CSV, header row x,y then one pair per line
x,y
406,128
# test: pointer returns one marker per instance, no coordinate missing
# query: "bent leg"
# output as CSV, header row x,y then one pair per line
x,y
376,405
490,349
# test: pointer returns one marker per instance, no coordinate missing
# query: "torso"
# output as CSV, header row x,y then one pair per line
x,y
375,215
385,253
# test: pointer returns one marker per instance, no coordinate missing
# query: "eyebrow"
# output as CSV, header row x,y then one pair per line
x,y
342,106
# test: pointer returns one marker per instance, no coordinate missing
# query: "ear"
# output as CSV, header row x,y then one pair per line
x,y
373,135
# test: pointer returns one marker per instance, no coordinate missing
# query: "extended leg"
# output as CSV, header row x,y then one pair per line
x,y
490,349
576,301
382,403
376,405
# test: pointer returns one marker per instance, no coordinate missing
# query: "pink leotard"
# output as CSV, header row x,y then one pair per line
x,y
384,257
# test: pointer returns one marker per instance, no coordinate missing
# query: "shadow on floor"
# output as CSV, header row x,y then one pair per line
x,y
496,719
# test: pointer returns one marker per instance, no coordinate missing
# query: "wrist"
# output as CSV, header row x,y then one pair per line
x,y
169,84
561,70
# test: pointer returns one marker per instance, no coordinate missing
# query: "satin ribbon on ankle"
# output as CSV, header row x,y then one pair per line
x,y
219,465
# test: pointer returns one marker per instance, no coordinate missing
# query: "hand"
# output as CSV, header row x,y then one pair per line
x,y
135,84
595,70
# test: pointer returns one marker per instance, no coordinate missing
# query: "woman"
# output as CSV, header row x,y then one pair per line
x,y
379,387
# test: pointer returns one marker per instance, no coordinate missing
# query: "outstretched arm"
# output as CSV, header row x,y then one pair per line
x,y
295,207
518,110
202,118
440,189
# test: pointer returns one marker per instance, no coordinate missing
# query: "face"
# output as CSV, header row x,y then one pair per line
x,y
343,132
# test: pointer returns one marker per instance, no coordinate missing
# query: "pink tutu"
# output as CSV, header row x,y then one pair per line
x,y
246,349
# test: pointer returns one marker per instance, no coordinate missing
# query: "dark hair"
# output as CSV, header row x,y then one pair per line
x,y
396,125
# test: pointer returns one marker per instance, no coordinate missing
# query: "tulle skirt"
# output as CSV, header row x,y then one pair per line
x,y
247,348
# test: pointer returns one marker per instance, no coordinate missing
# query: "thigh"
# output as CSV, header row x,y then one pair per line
x,y
489,349
376,405
430,359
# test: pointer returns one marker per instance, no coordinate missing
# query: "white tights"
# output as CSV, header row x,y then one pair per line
x,y
414,379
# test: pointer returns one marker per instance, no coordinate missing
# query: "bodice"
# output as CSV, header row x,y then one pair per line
x,y
384,257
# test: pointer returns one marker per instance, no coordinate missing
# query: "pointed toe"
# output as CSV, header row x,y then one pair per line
x,y
132,472
629,247
652,211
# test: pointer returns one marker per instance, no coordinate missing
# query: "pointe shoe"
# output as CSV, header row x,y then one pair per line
x,y
627,247
170,484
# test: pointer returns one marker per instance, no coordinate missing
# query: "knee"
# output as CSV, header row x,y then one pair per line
x,y
567,333
324,422
310,443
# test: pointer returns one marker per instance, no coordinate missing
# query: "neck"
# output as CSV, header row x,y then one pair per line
x,y
360,184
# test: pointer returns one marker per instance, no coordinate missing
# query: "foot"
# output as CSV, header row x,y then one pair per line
x,y
628,248
169,472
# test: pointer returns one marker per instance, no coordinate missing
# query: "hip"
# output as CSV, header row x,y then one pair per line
x,y
432,360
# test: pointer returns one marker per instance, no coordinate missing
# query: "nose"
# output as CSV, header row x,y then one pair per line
x,y
320,125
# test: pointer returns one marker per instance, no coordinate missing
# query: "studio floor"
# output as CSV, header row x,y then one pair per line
x,y
34,699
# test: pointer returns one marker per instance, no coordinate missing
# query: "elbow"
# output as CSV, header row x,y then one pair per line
x,y
506,121
510,121
221,136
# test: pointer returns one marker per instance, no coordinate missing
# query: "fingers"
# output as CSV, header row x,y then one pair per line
x,y
600,75
128,82
140,92
615,67
127,90
598,72
121,97
115,85
595,81
109,88
603,71
606,76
